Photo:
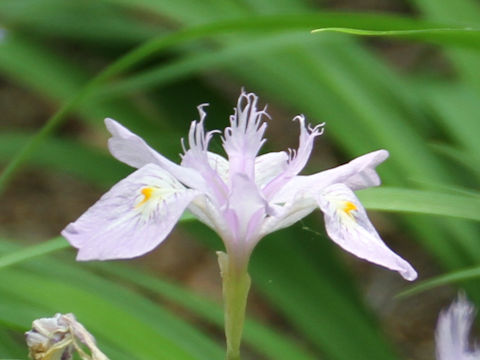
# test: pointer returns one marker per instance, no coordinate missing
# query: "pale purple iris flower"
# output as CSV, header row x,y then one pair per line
x,y
242,197
453,330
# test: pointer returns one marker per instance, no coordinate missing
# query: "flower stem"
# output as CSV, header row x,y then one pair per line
x,y
236,285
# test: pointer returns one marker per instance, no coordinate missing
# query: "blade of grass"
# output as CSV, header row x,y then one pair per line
x,y
30,252
447,279
457,37
456,108
421,201
151,47
466,12
9,347
467,159
57,155
55,77
85,21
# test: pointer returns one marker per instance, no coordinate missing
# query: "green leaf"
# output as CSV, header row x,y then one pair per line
x,y
67,156
421,201
447,279
459,37
86,21
33,251
467,159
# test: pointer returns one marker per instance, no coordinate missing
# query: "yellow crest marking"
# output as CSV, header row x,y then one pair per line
x,y
147,193
349,207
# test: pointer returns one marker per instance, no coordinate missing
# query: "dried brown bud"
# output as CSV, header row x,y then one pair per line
x,y
58,337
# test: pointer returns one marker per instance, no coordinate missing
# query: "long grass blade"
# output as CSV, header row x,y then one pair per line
x,y
447,279
422,201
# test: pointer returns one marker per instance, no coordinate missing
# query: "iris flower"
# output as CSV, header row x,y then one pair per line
x,y
243,197
452,333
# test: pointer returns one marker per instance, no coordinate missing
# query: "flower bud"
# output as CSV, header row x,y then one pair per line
x,y
57,338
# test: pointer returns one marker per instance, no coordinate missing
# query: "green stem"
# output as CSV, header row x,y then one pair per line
x,y
236,285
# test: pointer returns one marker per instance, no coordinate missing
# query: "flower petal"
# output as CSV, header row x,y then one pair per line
x,y
357,174
128,147
347,225
297,196
298,159
246,209
203,209
268,166
288,214
219,164
199,159
452,332
132,218
244,138
132,150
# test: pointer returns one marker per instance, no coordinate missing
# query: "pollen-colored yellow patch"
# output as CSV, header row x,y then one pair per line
x,y
349,206
147,193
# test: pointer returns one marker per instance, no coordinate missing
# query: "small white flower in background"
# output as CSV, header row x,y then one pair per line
x,y
453,330
242,197
58,337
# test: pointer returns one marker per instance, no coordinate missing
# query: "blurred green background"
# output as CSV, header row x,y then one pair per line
x,y
415,93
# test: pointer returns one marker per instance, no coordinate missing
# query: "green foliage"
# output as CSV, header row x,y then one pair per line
x,y
152,60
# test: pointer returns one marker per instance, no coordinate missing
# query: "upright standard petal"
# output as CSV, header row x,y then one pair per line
x,y
132,218
268,166
244,138
219,164
452,332
248,207
198,158
347,225
297,160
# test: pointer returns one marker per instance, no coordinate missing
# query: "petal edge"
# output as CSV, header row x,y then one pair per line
x,y
348,226
127,221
